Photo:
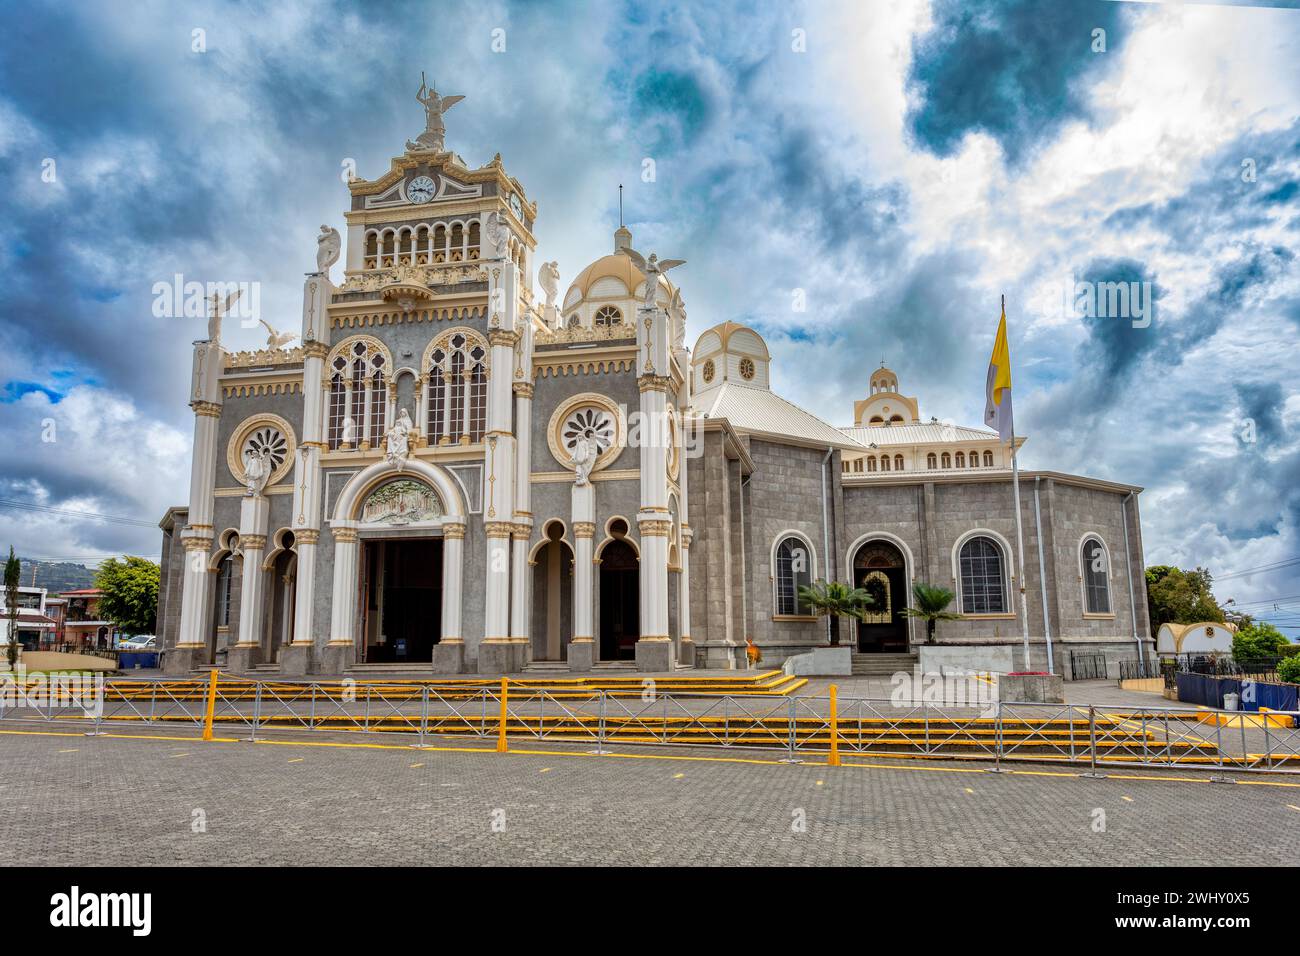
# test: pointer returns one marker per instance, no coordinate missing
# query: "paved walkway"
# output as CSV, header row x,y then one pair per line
x,y
73,800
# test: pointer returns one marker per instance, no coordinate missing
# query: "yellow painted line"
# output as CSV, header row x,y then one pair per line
x,y
969,790
820,782
545,770
1127,799
297,760
416,766
678,776
177,755
70,750
1293,807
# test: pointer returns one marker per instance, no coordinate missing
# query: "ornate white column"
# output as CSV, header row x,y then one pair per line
x,y
654,649
298,656
519,535
684,593
340,652
449,652
246,653
191,648
582,649
500,651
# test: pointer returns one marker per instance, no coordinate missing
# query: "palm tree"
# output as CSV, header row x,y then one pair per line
x,y
836,599
930,604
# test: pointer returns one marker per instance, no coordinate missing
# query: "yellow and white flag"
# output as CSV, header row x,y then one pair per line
x,y
997,389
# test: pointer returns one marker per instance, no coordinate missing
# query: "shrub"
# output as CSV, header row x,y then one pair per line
x,y
1288,669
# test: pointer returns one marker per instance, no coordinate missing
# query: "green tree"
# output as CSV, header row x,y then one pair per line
x,y
930,604
130,589
1176,596
836,599
13,573
1257,641
1288,669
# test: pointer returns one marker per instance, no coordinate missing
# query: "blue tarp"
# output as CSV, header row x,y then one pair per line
x,y
1209,690
130,660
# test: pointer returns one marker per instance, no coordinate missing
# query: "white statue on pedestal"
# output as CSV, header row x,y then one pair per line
x,y
498,233
548,277
349,436
397,441
677,312
653,268
583,457
328,246
257,470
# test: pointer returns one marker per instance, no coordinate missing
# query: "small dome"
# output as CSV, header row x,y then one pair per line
x,y
730,352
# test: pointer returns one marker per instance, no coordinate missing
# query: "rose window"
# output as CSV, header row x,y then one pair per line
x,y
594,424
266,438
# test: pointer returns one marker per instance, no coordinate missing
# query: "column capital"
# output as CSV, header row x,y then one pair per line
x,y
654,527
584,529
497,529
503,337
520,532
252,542
206,409
344,535
306,536
654,383
315,349
453,531
197,543
523,390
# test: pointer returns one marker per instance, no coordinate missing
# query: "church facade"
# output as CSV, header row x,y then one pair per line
x,y
451,474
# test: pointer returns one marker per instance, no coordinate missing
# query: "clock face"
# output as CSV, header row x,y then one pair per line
x,y
516,206
420,190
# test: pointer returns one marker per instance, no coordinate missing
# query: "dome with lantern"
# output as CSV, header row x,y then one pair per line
x,y
608,291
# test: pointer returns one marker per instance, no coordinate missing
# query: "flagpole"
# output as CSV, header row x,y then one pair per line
x,y
1020,549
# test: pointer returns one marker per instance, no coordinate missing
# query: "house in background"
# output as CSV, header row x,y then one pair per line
x,y
35,628
84,628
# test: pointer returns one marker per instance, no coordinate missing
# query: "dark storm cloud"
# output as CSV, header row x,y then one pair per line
x,y
1013,69
1115,344
1261,403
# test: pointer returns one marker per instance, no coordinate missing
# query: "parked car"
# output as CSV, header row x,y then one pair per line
x,y
145,642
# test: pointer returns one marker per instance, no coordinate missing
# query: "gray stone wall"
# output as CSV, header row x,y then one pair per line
x,y
784,493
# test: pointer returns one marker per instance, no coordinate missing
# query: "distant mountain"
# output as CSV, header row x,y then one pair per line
x,y
58,577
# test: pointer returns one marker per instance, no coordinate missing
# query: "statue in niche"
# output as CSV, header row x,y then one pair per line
x,y
349,436
397,440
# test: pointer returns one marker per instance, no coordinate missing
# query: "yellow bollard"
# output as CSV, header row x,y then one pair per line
x,y
212,704
834,760
502,746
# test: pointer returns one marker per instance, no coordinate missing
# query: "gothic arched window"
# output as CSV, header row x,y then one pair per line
x,y
982,577
456,398
358,390
792,568
1095,571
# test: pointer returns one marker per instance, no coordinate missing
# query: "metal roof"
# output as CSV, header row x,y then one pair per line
x,y
757,411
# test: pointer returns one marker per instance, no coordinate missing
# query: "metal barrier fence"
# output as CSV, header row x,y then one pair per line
x,y
797,727
1087,665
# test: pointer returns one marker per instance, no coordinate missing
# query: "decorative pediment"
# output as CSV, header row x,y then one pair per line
x,y
401,502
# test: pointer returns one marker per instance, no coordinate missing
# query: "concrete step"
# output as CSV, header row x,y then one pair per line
x,y
882,665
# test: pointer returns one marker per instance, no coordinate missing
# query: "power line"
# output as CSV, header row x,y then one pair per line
x,y
1262,569
67,513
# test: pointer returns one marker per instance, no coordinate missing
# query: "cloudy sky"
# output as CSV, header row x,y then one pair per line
x,y
895,165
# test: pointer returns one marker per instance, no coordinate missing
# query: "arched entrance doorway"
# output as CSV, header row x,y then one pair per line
x,y
880,567
280,611
552,614
402,607
620,607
